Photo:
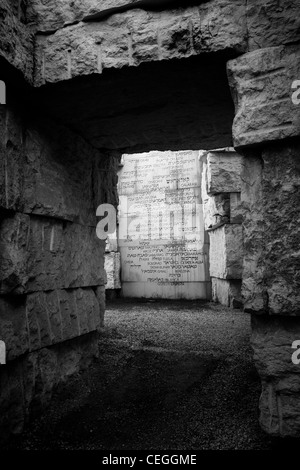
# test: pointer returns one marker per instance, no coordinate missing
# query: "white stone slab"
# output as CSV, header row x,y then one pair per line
x,y
161,230
227,292
223,172
184,290
226,252
112,266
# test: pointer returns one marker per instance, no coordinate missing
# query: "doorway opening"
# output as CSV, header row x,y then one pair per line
x,y
179,231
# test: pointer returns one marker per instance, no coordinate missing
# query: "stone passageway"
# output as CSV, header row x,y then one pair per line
x,y
170,375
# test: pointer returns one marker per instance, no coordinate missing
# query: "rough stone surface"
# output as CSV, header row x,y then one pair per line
x,y
261,83
253,233
27,384
100,295
13,326
11,159
216,210
214,25
52,275
271,23
13,253
271,200
111,242
226,251
227,292
271,341
38,253
236,208
47,171
138,36
16,40
43,175
263,22
223,172
29,323
60,315
112,266
55,14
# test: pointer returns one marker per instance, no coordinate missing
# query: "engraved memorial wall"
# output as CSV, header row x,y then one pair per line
x,y
163,246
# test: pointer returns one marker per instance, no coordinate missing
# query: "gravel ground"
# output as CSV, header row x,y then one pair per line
x,y
171,375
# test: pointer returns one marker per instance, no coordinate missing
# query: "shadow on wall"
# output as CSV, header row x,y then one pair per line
x,y
165,105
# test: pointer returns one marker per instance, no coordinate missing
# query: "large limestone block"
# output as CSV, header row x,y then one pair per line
x,y
261,83
45,254
12,160
138,36
264,22
272,339
216,209
54,14
112,267
227,292
157,171
223,172
29,323
47,170
60,315
226,252
224,169
254,232
64,255
236,208
271,199
16,40
27,384
13,326
13,254
272,23
59,175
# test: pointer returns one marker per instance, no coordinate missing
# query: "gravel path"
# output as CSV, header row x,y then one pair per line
x,y
171,375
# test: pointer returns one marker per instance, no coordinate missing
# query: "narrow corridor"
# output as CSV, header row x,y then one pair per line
x,y
170,375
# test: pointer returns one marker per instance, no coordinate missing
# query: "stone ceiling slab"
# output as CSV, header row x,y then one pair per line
x,y
138,36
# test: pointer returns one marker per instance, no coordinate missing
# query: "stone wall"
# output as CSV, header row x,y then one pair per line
x,y
113,270
112,266
134,37
66,50
223,215
27,383
52,278
271,283
266,130
272,339
49,177
16,38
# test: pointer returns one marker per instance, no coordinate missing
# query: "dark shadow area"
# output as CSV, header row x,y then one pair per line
x,y
170,375
166,105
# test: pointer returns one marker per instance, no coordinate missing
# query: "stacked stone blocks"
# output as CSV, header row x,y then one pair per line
x,y
52,278
221,187
266,131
